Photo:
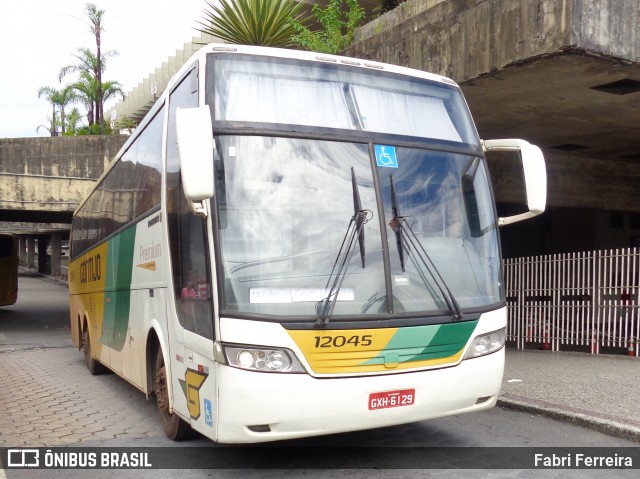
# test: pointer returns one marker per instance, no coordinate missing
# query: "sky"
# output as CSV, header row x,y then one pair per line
x,y
39,37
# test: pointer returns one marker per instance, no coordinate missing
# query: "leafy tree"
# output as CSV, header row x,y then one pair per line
x,y
60,98
339,27
253,22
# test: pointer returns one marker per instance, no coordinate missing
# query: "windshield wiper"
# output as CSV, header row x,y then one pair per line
x,y
399,225
357,212
396,223
325,306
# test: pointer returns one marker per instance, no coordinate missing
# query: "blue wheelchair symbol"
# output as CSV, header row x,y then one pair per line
x,y
208,413
386,156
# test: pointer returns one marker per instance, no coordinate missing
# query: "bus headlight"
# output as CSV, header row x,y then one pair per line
x,y
268,360
486,344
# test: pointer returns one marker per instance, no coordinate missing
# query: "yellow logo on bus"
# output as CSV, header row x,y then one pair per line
x,y
193,381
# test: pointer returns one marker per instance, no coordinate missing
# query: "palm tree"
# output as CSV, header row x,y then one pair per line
x,y
95,25
60,98
73,122
253,22
92,95
86,89
53,125
93,64
87,67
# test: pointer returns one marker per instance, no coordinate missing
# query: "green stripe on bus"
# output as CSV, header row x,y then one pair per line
x,y
448,340
118,289
427,342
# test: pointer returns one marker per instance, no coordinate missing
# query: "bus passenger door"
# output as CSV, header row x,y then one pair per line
x,y
191,328
190,321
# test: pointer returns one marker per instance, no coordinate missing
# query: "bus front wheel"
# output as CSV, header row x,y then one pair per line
x,y
175,428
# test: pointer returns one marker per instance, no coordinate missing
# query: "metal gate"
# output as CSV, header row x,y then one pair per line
x,y
588,299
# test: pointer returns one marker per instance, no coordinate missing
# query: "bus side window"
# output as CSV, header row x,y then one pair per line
x,y
187,232
194,299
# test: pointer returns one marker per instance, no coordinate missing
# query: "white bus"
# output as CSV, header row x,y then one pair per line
x,y
295,244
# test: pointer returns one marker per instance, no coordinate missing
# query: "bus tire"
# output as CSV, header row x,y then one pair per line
x,y
174,427
93,365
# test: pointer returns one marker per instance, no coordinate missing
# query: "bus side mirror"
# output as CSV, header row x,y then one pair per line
x,y
194,134
535,175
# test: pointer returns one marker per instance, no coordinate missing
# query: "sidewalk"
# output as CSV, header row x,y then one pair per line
x,y
597,392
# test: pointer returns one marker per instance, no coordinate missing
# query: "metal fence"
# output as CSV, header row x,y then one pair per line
x,y
580,301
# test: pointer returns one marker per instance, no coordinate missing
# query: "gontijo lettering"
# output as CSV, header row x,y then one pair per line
x,y
90,269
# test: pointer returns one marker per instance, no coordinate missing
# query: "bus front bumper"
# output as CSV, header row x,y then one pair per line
x,y
260,407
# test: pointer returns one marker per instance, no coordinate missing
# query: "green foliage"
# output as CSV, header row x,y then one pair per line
x,y
125,123
253,22
74,119
339,27
95,130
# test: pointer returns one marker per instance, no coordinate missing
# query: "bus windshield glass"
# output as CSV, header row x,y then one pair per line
x,y
323,95
284,208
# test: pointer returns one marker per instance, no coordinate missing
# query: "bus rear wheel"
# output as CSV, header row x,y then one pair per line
x,y
175,428
93,365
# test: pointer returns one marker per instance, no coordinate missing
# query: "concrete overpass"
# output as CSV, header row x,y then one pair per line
x,y
564,74
42,181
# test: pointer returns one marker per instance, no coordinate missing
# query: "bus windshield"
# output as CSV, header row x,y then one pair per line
x,y
285,205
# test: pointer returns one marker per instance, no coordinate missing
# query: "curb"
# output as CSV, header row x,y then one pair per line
x,y
609,426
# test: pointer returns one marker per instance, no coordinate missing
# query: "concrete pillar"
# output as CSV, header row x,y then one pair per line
x,y
31,252
42,254
22,250
56,252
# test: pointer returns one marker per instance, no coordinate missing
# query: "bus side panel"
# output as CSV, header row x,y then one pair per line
x,y
86,301
148,304
119,289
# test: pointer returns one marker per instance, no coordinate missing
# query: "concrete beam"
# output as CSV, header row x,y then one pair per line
x,y
44,179
464,39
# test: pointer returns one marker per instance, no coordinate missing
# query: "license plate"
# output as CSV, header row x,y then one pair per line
x,y
386,399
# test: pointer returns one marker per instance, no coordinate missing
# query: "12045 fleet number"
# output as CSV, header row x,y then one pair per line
x,y
342,341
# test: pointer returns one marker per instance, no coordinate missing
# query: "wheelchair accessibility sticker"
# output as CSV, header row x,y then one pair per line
x,y
386,156
208,413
